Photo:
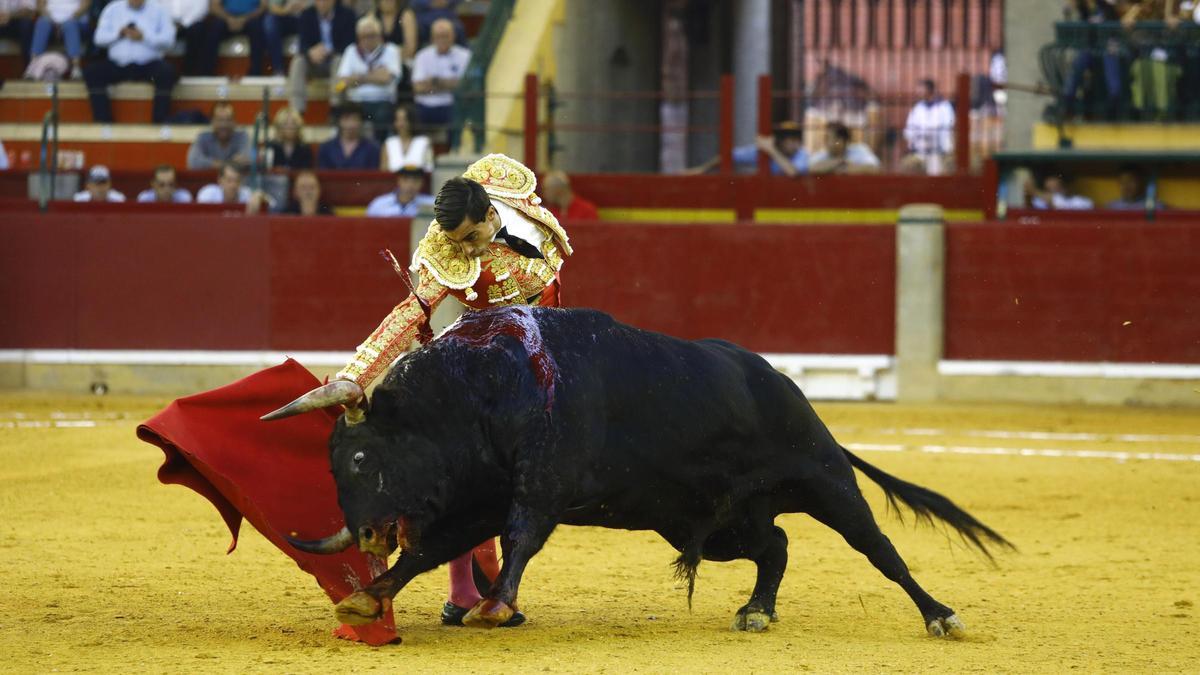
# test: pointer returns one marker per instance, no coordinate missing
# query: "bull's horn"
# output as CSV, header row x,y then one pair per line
x,y
332,544
340,391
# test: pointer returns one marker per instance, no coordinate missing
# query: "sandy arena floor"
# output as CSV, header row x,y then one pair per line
x,y
105,569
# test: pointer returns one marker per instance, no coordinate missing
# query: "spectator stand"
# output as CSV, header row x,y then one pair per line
x,y
1158,68
1170,178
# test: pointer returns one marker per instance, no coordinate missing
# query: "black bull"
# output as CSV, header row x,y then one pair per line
x,y
517,420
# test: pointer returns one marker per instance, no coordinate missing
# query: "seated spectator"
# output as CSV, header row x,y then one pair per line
x,y
842,156
306,197
164,189
3,158
399,26
561,200
429,12
786,152
223,143
929,131
349,149
406,148
70,17
1056,195
406,200
189,22
137,34
98,187
233,17
326,29
1132,186
437,69
16,24
369,72
227,190
1096,11
288,150
280,20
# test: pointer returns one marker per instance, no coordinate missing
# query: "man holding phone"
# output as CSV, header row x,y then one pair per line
x,y
138,34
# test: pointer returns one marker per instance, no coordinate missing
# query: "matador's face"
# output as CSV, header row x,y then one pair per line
x,y
473,237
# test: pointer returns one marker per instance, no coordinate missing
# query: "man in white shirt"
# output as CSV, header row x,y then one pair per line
x,y
437,69
929,130
368,73
188,16
406,200
137,34
164,189
98,187
227,190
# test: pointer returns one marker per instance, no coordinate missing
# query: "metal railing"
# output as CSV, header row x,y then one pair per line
x,y
48,160
262,128
471,110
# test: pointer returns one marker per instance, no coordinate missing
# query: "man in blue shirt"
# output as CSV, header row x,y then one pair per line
x,y
786,150
234,17
842,156
137,34
349,150
406,200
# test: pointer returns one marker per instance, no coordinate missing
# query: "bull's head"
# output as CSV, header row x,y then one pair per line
x,y
390,482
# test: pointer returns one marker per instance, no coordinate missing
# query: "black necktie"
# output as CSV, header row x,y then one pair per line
x,y
519,245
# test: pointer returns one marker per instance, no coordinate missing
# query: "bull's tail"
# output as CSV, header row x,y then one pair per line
x,y
927,505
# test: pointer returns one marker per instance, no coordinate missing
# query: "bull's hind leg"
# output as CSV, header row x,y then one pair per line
x,y
847,512
766,545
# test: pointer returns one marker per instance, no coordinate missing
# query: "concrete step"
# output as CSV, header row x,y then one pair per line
x,y
28,101
119,146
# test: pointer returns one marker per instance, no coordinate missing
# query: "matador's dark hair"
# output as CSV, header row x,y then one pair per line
x,y
459,199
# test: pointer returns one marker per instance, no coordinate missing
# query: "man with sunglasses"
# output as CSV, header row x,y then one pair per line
x,y
164,189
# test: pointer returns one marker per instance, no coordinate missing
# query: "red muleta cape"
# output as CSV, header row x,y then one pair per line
x,y
274,474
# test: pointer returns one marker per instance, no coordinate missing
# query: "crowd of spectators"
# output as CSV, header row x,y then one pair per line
x,y
370,52
1137,71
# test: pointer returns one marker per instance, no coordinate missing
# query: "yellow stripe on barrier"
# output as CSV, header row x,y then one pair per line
x,y
669,215
852,216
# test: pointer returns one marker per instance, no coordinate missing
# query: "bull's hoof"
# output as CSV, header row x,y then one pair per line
x,y
358,609
452,615
488,613
950,626
753,619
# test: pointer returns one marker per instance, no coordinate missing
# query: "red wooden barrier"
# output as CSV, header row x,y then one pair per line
x,y
134,281
1090,291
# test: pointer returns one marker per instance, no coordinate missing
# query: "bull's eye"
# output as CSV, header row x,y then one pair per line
x,y
358,457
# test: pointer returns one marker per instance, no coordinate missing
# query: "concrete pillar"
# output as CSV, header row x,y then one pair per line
x,y
751,58
920,307
1028,25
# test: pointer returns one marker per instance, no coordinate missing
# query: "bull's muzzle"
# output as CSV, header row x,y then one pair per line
x,y
338,392
336,543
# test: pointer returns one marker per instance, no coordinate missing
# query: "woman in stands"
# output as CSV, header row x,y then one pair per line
x,y
71,18
405,148
399,26
288,150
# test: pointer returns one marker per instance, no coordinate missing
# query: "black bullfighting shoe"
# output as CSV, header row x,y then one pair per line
x,y
452,615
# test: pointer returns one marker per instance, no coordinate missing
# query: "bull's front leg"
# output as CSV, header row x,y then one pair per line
x,y
436,548
524,535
